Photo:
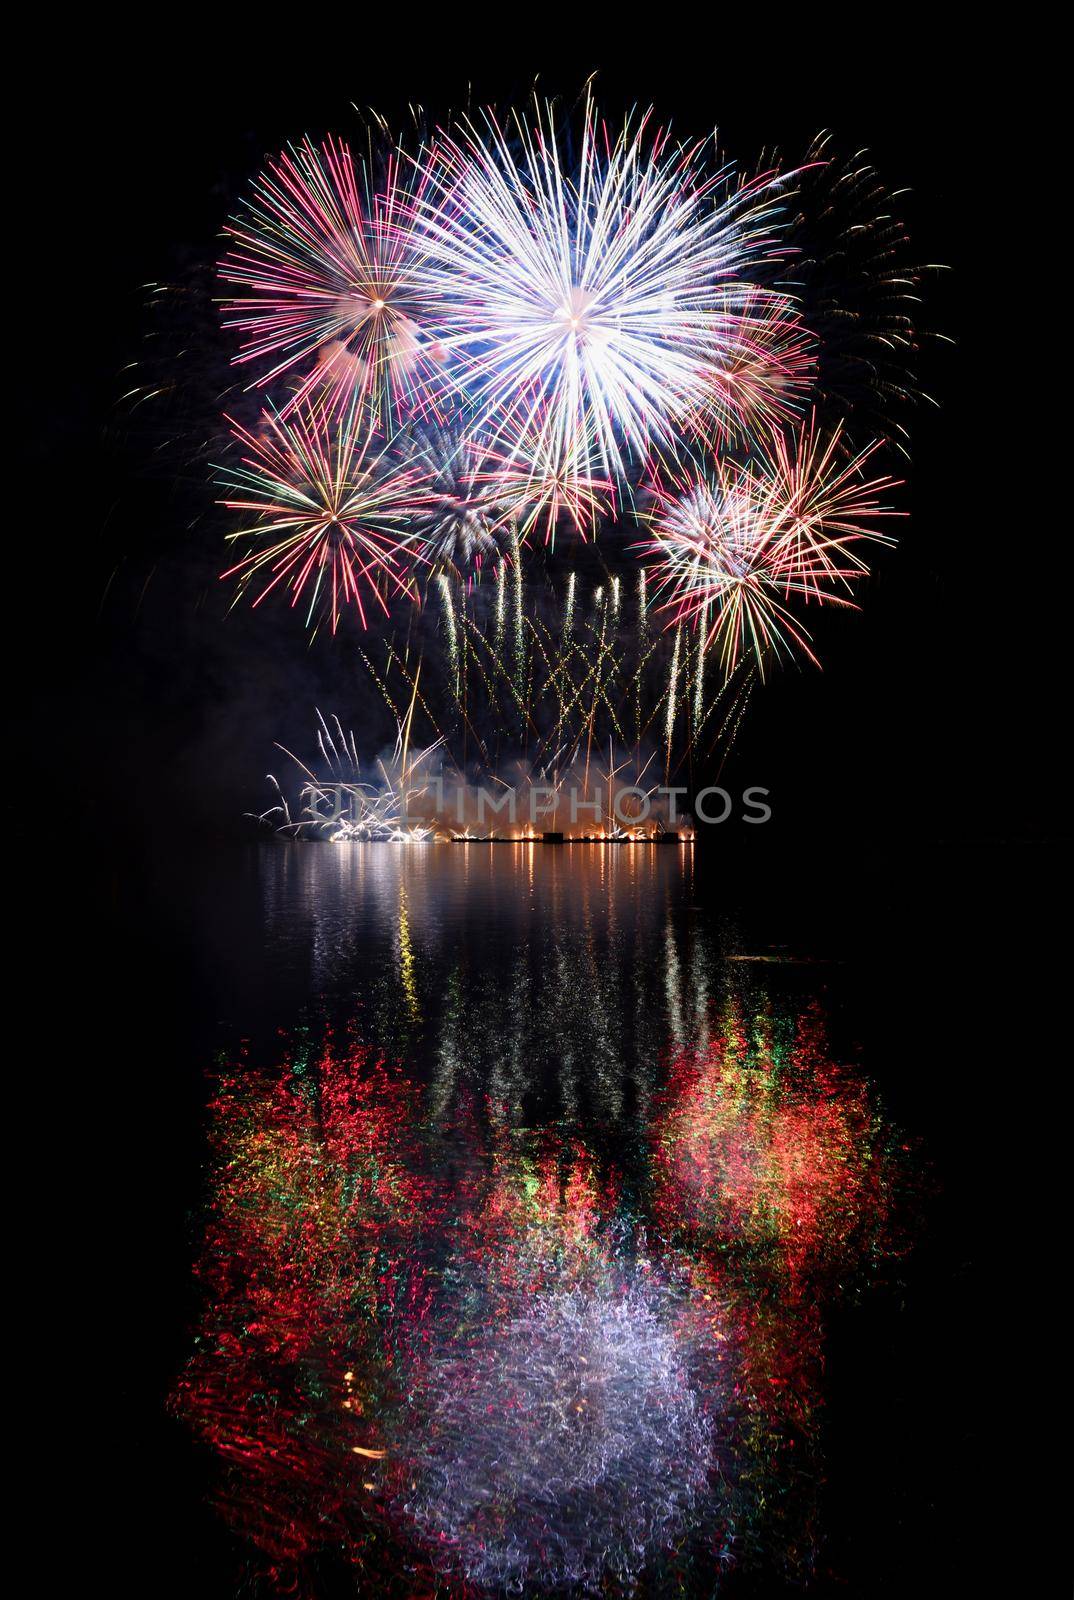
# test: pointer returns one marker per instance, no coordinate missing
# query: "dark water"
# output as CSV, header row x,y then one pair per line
x,y
561,1218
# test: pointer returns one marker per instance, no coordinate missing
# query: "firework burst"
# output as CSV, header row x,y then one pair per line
x,y
759,380
463,519
330,512
324,281
731,545
860,286
596,304
821,501
543,491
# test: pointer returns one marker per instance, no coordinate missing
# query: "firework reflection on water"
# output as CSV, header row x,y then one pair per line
x,y
567,1441
517,1261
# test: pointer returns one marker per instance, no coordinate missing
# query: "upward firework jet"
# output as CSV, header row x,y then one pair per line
x,y
340,801
328,509
547,684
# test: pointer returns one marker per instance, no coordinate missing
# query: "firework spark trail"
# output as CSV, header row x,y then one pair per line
x,y
643,637
565,645
568,608
699,685
517,617
447,600
861,289
672,705
585,691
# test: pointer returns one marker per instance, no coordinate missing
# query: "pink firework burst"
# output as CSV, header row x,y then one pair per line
x,y
325,282
732,546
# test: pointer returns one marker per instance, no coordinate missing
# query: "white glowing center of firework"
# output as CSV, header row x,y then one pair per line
x,y
575,311
363,304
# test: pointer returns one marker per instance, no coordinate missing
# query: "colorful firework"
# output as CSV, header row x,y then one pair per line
x,y
825,503
463,522
346,804
732,543
597,304
760,381
325,281
544,492
482,502
546,683
330,512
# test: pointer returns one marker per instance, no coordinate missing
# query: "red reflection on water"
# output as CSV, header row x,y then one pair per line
x,y
430,1349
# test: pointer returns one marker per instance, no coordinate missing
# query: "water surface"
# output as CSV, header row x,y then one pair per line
x,y
531,1186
